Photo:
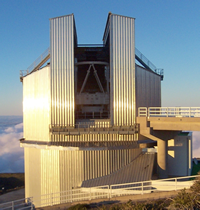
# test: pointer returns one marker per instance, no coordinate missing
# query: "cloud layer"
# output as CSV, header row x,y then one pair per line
x,y
11,155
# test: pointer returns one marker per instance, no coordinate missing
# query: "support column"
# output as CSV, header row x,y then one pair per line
x,y
162,159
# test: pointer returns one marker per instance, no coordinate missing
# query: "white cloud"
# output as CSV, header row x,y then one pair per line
x,y
11,155
196,144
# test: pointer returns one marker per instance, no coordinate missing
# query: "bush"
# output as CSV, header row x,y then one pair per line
x,y
80,207
195,188
184,200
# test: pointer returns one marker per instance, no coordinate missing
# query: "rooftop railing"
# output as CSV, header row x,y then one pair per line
x,y
39,59
169,112
147,63
43,57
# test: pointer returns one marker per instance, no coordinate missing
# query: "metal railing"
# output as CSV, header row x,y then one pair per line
x,y
39,59
170,184
148,63
169,112
74,195
106,192
25,203
92,127
23,73
35,63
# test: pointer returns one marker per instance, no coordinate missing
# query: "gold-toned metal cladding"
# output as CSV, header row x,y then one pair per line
x,y
62,41
122,70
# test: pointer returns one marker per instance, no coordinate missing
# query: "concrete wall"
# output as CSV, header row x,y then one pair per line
x,y
180,155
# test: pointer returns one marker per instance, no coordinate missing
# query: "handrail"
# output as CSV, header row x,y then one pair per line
x,y
150,186
39,59
25,203
169,112
74,195
43,57
23,73
106,191
92,127
147,63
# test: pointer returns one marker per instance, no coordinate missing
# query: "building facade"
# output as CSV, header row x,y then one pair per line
x,y
80,110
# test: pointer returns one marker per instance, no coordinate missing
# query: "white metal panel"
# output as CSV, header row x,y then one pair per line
x,y
62,38
36,105
122,70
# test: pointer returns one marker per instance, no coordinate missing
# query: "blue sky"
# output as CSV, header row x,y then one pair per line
x,y
167,32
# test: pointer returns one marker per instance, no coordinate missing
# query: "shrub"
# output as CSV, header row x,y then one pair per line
x,y
183,200
80,207
195,188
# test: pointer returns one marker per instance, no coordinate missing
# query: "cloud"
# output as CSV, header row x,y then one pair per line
x,y
11,155
196,143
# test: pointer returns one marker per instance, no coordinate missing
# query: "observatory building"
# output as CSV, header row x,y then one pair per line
x,y
80,107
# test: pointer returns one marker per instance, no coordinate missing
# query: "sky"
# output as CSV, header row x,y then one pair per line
x,y
167,32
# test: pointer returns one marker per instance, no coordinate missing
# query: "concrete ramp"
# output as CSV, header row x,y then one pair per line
x,y
140,169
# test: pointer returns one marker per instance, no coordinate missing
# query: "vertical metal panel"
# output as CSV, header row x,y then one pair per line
x,y
122,70
60,170
33,174
36,105
93,138
62,38
148,88
50,176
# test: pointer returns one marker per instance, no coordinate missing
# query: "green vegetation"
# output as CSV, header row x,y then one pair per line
x,y
195,169
80,207
11,181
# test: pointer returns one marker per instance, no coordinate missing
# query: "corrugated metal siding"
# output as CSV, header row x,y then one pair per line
x,y
122,70
33,174
77,166
57,170
139,169
62,37
36,105
50,173
148,88
93,138
102,163
71,169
